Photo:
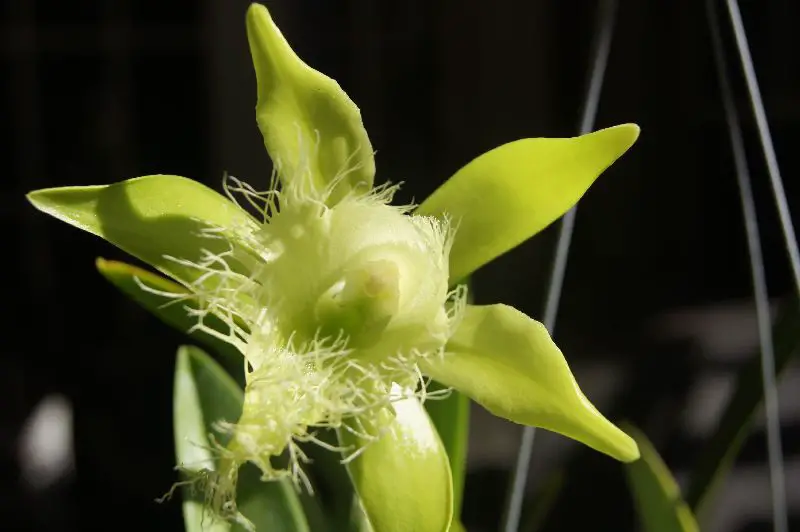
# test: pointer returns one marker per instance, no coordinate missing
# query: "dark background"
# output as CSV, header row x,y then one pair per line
x,y
656,311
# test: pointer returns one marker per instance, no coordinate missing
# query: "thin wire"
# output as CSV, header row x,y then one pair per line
x,y
766,139
761,296
604,30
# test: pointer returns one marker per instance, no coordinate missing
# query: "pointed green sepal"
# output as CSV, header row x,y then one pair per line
x,y
311,128
512,192
508,363
153,218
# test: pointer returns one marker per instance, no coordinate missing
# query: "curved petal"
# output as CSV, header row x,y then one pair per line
x,y
310,126
510,193
403,478
152,217
508,363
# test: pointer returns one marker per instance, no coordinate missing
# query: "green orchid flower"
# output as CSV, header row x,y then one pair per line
x,y
343,305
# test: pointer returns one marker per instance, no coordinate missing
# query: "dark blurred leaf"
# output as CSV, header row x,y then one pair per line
x,y
205,394
450,416
334,489
721,450
544,501
655,492
456,526
173,313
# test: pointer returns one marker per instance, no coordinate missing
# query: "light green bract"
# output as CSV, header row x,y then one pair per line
x,y
342,304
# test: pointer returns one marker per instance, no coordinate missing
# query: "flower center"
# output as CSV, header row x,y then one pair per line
x,y
362,272
361,303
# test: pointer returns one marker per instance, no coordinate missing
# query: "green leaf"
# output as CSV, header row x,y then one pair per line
x,y
544,500
512,192
657,496
456,526
311,128
170,311
721,450
508,363
402,479
359,522
333,488
204,395
151,217
450,416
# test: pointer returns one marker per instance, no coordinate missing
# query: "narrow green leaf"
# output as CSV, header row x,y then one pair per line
x,y
272,505
544,501
457,526
508,363
205,394
450,416
403,479
359,522
512,192
191,426
151,217
655,492
333,488
311,128
314,511
170,311
721,450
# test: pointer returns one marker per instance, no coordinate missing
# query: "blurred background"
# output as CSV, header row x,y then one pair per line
x,y
657,311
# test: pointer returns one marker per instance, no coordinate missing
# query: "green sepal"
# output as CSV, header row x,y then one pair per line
x,y
312,130
512,192
508,363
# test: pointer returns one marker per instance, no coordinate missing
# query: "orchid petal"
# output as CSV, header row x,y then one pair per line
x,y
403,477
508,363
512,192
311,128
